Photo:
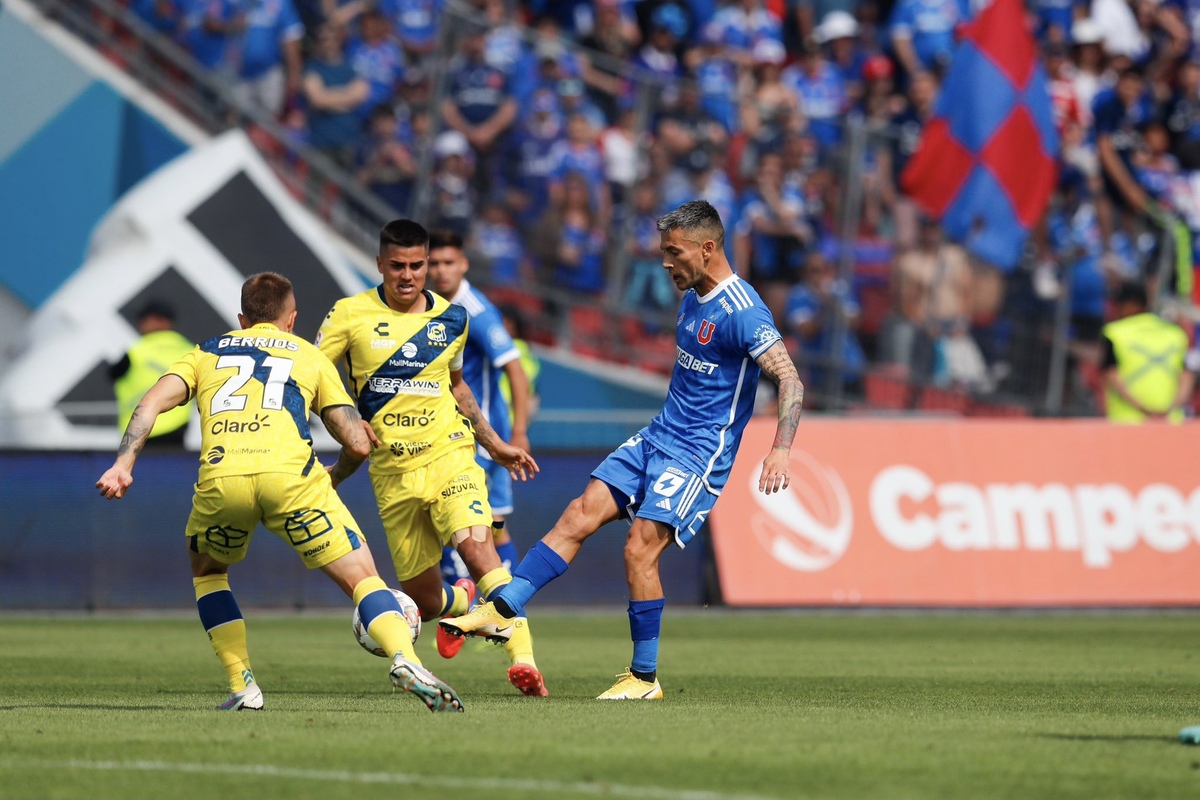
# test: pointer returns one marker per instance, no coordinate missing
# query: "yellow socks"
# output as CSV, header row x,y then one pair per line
x,y
519,647
454,600
494,581
383,618
222,619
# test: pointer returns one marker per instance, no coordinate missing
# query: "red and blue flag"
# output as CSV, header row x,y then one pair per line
x,y
986,163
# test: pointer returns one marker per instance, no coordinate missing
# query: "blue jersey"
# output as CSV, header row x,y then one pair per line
x,y
488,349
381,65
711,397
269,24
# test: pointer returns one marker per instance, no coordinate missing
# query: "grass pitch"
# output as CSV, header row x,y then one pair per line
x,y
758,705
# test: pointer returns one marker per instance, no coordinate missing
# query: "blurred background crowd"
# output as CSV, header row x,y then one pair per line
x,y
552,134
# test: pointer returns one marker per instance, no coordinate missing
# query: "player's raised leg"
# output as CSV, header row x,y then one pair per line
x,y
544,562
644,546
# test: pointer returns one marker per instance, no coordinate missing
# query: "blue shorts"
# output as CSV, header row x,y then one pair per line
x,y
499,486
650,484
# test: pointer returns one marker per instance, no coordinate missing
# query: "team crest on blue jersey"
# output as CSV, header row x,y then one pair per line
x,y
705,334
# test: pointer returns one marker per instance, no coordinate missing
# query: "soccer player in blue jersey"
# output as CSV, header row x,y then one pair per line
x,y
254,388
488,355
667,478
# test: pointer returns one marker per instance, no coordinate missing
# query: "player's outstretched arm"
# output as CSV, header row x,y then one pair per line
x,y
168,392
777,365
349,430
519,462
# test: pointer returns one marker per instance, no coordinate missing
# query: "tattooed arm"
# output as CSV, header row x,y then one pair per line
x,y
518,462
170,391
777,366
347,428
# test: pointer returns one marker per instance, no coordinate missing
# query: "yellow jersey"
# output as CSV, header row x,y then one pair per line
x,y
399,366
254,389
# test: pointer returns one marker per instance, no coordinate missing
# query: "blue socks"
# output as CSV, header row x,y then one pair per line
x,y
645,624
540,566
508,554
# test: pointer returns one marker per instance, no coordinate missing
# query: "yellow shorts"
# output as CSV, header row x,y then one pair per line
x,y
422,508
304,511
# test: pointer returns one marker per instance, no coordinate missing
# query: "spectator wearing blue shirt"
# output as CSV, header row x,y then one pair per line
x,y
1119,116
334,93
648,285
772,232
1073,233
416,25
821,93
478,103
571,243
739,26
498,244
813,308
579,157
717,82
922,33
162,15
668,27
206,29
605,53
454,198
385,164
377,59
700,179
838,34
1183,116
536,143
269,60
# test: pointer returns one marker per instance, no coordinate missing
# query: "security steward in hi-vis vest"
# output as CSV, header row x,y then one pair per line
x,y
1146,375
159,346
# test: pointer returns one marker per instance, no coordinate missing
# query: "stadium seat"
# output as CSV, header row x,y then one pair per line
x,y
886,388
933,398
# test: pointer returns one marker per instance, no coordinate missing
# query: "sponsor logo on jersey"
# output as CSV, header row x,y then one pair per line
x,y
498,337
690,362
404,362
436,332
462,483
704,336
664,504
454,437
408,350
425,388
233,426
306,525
215,455
765,333
320,337
381,330
691,327
410,449
380,344
725,305
418,420
260,342
226,538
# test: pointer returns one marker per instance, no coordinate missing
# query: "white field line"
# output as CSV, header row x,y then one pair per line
x,y
551,788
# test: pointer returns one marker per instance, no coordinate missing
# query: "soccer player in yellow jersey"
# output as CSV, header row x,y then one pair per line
x,y
403,349
254,389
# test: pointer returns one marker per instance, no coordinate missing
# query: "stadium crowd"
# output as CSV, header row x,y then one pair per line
x,y
557,132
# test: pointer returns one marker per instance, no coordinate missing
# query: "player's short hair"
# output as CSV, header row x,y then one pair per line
x,y
265,296
403,233
695,215
445,238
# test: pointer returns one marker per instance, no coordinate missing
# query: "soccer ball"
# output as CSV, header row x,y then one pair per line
x,y
412,615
